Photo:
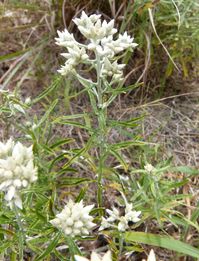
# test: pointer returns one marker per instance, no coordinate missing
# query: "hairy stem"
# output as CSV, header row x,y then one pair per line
x,y
102,151
21,232
101,116
121,242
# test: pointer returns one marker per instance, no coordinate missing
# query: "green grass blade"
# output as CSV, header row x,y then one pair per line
x,y
120,158
13,55
73,248
47,113
186,170
162,241
55,84
73,181
50,247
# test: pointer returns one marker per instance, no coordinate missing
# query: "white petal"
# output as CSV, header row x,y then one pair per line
x,y
55,222
17,183
76,232
18,202
68,231
80,258
78,224
123,224
107,256
18,152
10,194
3,186
151,256
24,183
84,231
8,174
88,208
69,222
95,257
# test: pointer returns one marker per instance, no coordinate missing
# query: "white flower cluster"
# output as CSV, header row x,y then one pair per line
x,y
113,70
121,220
149,168
75,55
95,257
74,219
101,41
17,170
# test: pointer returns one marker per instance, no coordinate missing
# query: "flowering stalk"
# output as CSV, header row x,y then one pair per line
x,y
101,53
17,171
102,113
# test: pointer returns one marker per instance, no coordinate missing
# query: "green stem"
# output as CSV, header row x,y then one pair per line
x,y
99,81
73,248
102,152
21,233
121,242
101,115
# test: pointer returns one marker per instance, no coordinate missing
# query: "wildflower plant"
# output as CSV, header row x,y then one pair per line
x,y
17,172
103,53
98,63
118,220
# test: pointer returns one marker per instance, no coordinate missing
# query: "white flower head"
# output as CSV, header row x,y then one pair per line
x,y
119,221
149,168
113,70
74,56
123,224
17,170
65,69
100,35
95,257
75,52
74,219
93,28
65,39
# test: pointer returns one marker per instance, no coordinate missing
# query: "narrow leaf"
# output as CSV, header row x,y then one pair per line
x,y
52,87
47,113
72,181
126,144
162,241
50,247
120,158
